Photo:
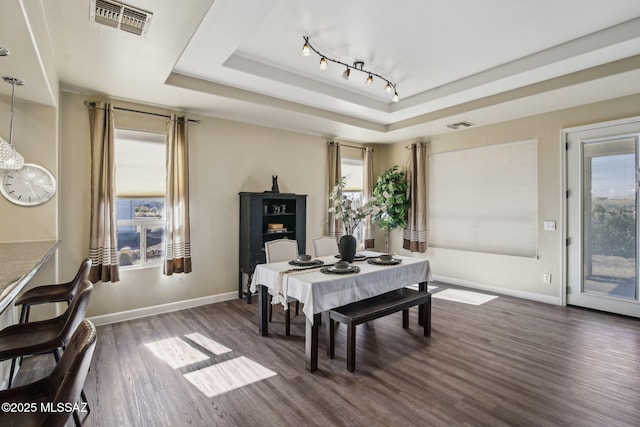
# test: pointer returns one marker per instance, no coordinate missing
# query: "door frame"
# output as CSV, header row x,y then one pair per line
x,y
565,189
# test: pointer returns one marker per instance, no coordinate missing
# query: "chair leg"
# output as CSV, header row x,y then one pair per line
x,y
23,313
12,372
76,419
270,309
84,399
297,307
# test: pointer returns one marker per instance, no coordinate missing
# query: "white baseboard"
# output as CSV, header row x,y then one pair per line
x,y
498,290
159,309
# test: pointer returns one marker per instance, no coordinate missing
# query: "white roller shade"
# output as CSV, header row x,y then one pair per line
x,y
140,164
485,199
353,169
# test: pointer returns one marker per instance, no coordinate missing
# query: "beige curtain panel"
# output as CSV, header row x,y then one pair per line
x,y
103,244
367,189
177,242
415,235
334,226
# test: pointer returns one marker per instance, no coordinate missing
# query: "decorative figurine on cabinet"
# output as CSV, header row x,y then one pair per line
x,y
274,184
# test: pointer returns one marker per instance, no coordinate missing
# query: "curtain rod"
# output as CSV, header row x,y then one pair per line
x,y
89,103
350,146
417,143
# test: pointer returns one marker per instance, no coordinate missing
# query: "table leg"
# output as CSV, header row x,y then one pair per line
x,y
249,290
263,324
311,343
422,287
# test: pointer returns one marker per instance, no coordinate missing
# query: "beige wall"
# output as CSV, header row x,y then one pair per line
x,y
35,137
225,158
228,157
517,275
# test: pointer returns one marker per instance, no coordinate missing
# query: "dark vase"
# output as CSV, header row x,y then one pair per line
x,y
347,247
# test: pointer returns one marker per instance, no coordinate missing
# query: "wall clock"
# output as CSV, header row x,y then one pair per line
x,y
30,185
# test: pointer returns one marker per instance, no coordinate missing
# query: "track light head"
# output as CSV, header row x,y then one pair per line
x,y
306,50
369,81
395,97
346,73
323,63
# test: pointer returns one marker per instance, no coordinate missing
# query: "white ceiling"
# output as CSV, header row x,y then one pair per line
x,y
482,62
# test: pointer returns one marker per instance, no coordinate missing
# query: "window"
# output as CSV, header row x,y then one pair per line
x,y
485,199
140,159
353,170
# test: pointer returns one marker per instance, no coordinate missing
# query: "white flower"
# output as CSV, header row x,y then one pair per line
x,y
348,210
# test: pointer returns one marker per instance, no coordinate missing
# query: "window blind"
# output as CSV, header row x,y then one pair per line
x,y
140,159
485,199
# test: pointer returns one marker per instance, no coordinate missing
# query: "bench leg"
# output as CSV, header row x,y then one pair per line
x,y
331,338
405,318
422,287
351,347
426,317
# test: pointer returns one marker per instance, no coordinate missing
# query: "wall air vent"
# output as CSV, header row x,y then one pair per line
x,y
119,15
460,125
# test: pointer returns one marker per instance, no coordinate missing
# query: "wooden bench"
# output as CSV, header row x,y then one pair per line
x,y
373,308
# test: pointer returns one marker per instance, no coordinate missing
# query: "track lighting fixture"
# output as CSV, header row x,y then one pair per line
x,y
357,65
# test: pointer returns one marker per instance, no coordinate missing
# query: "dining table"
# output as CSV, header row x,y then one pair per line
x,y
320,287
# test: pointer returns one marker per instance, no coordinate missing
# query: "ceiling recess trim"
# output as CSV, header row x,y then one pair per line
x,y
119,15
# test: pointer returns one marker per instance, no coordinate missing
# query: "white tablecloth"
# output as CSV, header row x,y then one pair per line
x,y
320,292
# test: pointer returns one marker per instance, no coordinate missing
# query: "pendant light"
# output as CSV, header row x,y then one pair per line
x,y
9,156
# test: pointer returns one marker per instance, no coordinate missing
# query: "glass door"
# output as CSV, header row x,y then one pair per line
x,y
602,220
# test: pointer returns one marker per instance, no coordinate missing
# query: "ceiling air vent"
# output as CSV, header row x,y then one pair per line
x,y
119,15
460,125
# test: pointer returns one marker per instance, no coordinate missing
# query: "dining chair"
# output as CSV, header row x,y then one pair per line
x,y
325,246
64,292
62,387
278,251
44,336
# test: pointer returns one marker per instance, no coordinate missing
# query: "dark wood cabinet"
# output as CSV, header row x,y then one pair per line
x,y
265,217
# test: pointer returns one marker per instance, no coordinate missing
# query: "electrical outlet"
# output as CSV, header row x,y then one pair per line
x,y
546,278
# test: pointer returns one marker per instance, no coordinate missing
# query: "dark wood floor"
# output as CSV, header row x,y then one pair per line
x,y
507,362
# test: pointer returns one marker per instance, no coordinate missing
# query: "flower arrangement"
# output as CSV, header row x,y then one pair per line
x,y
347,209
390,194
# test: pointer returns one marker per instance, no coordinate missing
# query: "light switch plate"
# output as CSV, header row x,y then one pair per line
x,y
549,225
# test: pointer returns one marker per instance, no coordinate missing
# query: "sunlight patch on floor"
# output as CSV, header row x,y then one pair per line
x,y
221,376
466,297
211,345
175,352
229,375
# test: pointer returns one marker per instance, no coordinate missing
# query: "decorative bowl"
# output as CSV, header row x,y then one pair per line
x,y
385,257
341,265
